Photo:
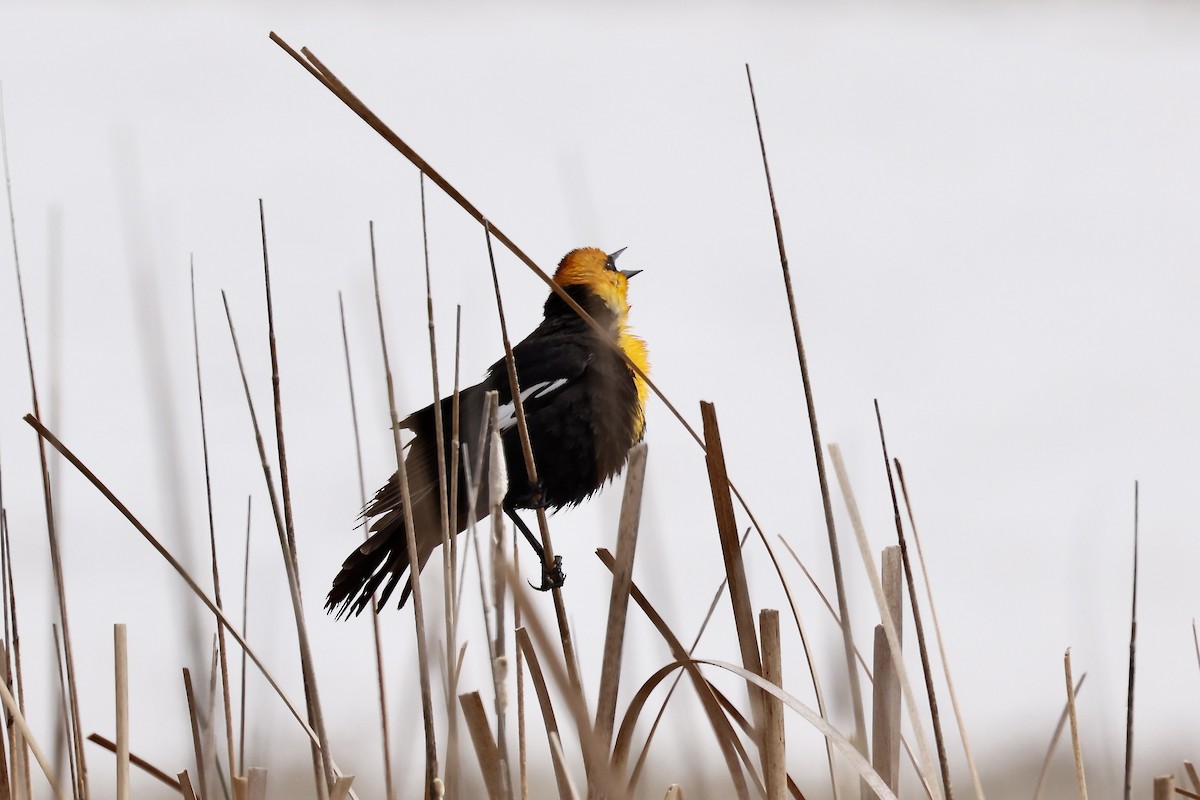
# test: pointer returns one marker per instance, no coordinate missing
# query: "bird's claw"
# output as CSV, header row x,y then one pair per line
x,y
552,577
537,498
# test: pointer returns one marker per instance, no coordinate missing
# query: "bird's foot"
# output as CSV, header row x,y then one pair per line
x,y
552,577
537,496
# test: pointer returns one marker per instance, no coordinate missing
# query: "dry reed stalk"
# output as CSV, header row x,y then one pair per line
x,y
10,704
885,711
322,759
241,770
1164,787
1058,729
927,771
121,670
1080,780
185,786
241,787
212,536
497,489
774,744
560,609
137,761
549,718
618,602
414,566
926,669
486,751
1181,791
1190,768
730,745
448,549
7,744
818,453
63,730
376,639
595,758
452,754
74,731
174,563
674,792
22,776
735,569
937,632
1132,656
341,787
556,753
197,741
257,790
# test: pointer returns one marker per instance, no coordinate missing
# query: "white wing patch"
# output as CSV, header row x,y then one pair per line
x,y
508,411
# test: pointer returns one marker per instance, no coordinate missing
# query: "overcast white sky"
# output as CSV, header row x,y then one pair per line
x,y
991,218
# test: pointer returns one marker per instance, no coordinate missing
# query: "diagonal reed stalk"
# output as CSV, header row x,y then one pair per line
x,y
222,648
137,761
1080,779
74,729
385,728
414,565
860,727
926,669
241,770
1132,656
937,632
1058,729
322,760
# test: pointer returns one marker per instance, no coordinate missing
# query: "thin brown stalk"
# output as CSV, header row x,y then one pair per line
x,y
72,696
1080,780
197,740
65,728
452,754
926,772
618,601
556,753
818,453
121,668
926,669
486,751
1132,656
323,761
414,564
522,744
549,718
560,610
735,569
448,550
937,632
137,761
1181,791
212,536
774,743
66,453
241,770
376,639
10,704
1058,729
8,773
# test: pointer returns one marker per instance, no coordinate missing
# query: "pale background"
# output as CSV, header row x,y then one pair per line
x,y
991,217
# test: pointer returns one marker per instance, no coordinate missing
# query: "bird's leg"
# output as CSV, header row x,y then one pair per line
x,y
538,496
553,577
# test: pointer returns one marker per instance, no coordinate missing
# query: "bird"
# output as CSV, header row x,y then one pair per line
x,y
584,406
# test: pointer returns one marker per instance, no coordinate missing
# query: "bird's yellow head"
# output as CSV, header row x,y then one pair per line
x,y
596,270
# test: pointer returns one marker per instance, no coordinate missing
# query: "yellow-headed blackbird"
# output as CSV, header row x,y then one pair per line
x,y
584,408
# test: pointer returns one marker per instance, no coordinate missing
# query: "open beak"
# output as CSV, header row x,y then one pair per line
x,y
612,259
